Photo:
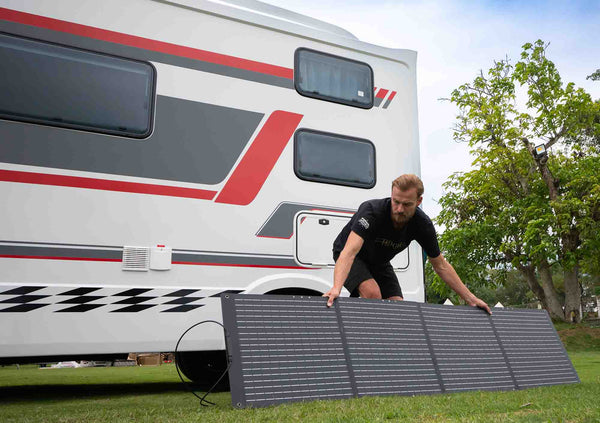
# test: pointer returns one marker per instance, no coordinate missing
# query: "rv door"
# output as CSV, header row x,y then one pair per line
x,y
315,233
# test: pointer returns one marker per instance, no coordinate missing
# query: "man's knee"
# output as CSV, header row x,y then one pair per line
x,y
395,298
369,289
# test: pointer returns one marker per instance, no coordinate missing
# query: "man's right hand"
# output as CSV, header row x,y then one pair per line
x,y
333,293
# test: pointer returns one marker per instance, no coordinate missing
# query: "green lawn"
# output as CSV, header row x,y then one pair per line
x,y
154,394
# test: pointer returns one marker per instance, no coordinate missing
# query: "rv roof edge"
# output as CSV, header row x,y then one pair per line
x,y
262,14
288,15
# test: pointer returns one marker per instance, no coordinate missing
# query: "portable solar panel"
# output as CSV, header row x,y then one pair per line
x,y
293,348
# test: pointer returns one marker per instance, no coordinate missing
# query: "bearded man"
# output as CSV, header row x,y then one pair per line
x,y
378,231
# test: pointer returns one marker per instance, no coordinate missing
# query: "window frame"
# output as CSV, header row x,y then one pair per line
x,y
88,128
326,97
330,181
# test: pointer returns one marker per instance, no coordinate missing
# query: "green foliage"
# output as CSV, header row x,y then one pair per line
x,y
561,111
514,210
594,76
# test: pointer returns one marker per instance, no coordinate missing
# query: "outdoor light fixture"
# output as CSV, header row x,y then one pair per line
x,y
540,151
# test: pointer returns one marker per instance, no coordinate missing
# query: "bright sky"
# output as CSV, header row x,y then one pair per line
x,y
454,40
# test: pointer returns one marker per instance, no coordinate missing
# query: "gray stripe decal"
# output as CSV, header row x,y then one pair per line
x,y
387,103
377,101
234,260
281,225
17,250
192,142
142,54
177,257
54,244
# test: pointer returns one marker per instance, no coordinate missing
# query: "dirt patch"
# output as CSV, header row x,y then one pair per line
x,y
593,332
580,338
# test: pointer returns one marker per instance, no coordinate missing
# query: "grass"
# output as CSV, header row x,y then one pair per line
x,y
154,394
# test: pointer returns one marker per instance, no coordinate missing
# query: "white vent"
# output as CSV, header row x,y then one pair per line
x,y
136,258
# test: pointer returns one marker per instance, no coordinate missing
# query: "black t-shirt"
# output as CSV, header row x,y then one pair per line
x,y
382,241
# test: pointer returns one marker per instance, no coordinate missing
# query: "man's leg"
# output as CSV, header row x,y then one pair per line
x,y
387,282
369,289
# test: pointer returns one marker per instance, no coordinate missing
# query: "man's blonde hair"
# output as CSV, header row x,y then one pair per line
x,y
408,181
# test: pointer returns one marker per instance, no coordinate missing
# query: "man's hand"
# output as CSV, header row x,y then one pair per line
x,y
333,293
476,302
448,275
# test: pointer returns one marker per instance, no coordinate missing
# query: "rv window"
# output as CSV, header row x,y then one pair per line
x,y
334,159
61,86
333,78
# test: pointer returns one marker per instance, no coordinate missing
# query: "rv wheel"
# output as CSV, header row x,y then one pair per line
x,y
295,291
204,368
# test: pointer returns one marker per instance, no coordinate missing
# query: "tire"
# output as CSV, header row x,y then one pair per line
x,y
295,291
204,368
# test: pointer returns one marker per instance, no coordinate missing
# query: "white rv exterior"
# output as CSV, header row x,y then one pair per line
x,y
112,243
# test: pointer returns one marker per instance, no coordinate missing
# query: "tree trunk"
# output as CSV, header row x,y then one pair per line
x,y
572,296
554,306
538,291
570,243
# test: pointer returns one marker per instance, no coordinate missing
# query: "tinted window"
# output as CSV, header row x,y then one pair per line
x,y
61,86
333,78
334,159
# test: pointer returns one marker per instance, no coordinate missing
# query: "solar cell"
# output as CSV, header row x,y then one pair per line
x,y
294,348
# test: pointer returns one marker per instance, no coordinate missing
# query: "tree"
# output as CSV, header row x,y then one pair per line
x,y
532,201
594,76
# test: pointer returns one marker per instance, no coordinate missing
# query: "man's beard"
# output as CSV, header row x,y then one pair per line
x,y
400,220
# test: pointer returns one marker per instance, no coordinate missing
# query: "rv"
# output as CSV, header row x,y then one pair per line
x,y
155,154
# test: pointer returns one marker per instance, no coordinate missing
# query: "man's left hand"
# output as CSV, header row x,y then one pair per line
x,y
476,302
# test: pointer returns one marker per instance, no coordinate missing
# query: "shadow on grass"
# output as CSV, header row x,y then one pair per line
x,y
34,393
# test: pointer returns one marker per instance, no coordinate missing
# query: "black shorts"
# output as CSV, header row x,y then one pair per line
x,y
383,274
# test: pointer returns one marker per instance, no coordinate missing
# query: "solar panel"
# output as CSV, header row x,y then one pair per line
x,y
533,349
388,348
282,348
294,348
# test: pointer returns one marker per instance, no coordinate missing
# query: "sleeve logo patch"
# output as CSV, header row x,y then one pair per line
x,y
364,223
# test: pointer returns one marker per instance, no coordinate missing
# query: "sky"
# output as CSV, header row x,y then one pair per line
x,y
454,40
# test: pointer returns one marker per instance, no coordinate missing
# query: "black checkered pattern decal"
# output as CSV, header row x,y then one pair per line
x,y
24,299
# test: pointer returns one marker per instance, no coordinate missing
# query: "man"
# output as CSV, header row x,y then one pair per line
x,y
378,231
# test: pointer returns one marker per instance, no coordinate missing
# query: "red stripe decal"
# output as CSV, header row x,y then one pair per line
x,y
103,184
238,265
392,96
275,237
256,165
381,93
60,258
144,43
175,262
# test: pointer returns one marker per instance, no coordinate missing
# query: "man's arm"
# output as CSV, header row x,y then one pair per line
x,y
449,275
342,266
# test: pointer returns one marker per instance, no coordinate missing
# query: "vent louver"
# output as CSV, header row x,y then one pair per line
x,y
136,258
